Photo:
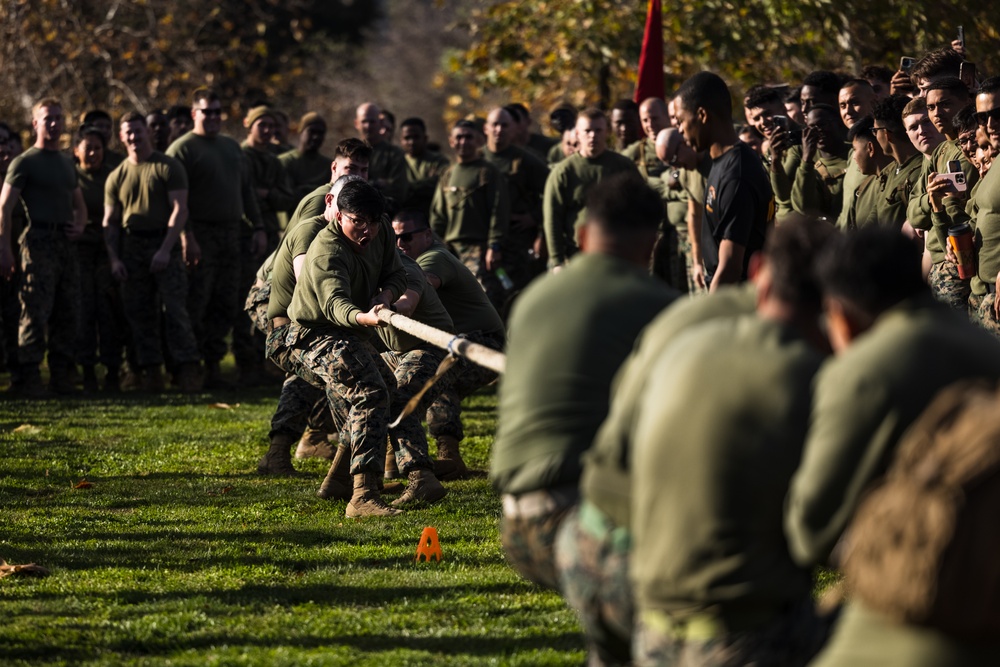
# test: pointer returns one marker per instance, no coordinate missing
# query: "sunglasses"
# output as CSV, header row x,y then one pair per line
x,y
408,236
983,117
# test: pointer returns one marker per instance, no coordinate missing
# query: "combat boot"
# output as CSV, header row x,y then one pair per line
x,y
152,380
449,464
90,379
315,445
424,487
213,377
188,378
278,459
337,484
30,385
61,380
366,501
391,470
112,380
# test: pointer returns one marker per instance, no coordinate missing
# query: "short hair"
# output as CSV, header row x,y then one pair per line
x,y
914,106
390,116
178,111
592,114
344,180
759,97
939,62
828,83
965,119
624,203
517,111
362,199
791,250
708,91
794,95
95,115
206,94
45,102
950,83
626,105
91,131
353,149
465,124
876,72
863,129
563,117
413,121
856,83
417,217
132,117
872,269
890,112
990,86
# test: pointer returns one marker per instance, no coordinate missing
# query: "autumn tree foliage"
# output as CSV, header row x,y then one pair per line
x,y
586,51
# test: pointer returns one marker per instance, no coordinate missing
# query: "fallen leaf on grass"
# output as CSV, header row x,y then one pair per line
x,y
223,406
83,484
29,429
223,491
7,570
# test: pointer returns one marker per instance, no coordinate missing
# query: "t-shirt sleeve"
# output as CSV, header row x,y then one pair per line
x,y
17,174
439,266
737,204
176,176
111,188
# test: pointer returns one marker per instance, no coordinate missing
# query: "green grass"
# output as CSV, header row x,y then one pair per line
x,y
180,554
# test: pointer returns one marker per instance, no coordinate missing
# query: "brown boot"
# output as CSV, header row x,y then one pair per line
x,y
315,445
424,487
278,459
188,378
366,501
449,464
152,380
337,484
391,470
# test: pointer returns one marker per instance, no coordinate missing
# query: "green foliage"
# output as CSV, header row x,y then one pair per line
x,y
546,50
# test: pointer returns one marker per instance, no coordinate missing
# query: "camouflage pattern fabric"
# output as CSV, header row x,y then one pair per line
x,y
248,340
10,313
102,322
412,370
948,287
790,640
668,260
529,544
444,416
213,287
50,298
145,295
984,315
473,255
592,563
256,305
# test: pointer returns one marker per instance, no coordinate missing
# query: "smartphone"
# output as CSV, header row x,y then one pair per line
x,y
954,166
957,180
967,73
961,36
906,63
781,122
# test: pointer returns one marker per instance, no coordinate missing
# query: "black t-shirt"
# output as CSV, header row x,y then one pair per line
x,y
739,206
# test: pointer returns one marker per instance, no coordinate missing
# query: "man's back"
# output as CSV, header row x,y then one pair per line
x,y
460,292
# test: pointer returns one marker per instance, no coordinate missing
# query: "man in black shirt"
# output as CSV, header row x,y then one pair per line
x,y
739,204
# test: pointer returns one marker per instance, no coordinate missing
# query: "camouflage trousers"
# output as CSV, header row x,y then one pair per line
x,y
248,340
213,287
354,379
147,296
412,370
103,329
529,538
473,255
10,313
444,416
256,305
684,244
668,260
592,562
948,287
790,639
983,314
301,397
50,298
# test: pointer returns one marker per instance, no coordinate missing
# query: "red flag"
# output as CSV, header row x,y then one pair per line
x,y
650,83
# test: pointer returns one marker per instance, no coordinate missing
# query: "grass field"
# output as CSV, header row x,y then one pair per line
x,y
180,554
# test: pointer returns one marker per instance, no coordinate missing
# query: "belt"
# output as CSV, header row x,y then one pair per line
x,y
145,233
534,504
277,321
41,225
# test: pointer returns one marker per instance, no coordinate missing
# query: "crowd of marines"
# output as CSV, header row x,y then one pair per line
x,y
716,332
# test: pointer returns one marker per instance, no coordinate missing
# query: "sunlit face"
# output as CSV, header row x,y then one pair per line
x,y
942,105
569,144
691,127
207,116
413,139
368,123
345,166
262,130
986,152
922,132
762,118
968,143
499,128
412,239
48,123
464,142
654,118
988,116
89,152
135,136
855,102
592,136
360,231
864,150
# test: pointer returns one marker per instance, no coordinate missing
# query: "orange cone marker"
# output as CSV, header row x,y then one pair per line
x,y
429,545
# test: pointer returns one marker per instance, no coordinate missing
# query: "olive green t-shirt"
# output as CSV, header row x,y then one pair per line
x,y
46,180
304,172
525,175
312,204
142,191
852,181
564,202
555,391
267,173
219,179
462,295
555,155
423,174
864,207
818,188
294,243
605,481
92,186
337,283
900,182
471,204
387,171
883,381
429,311
717,438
